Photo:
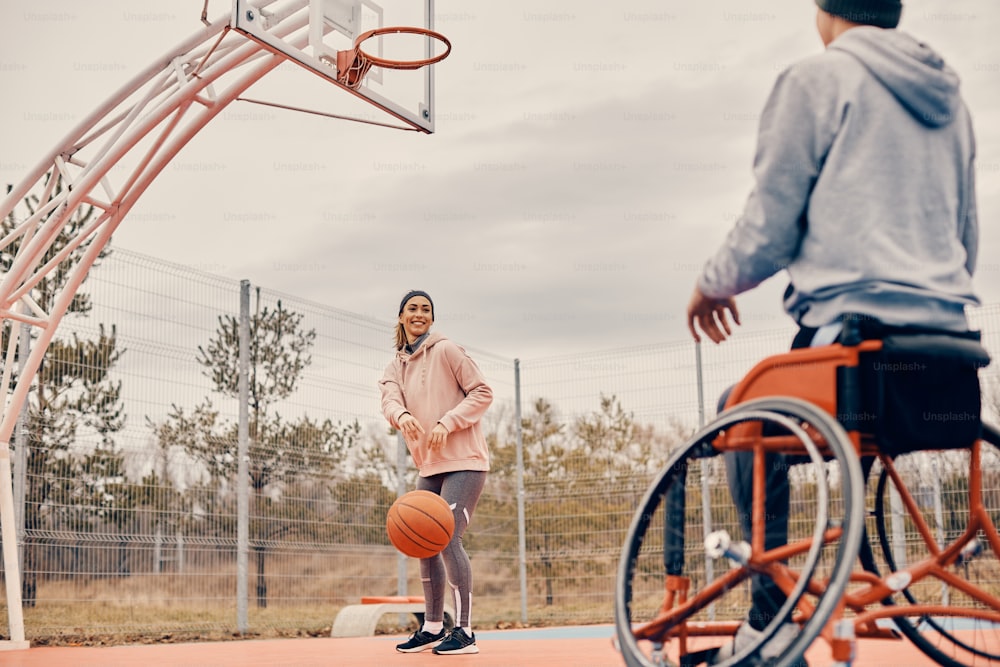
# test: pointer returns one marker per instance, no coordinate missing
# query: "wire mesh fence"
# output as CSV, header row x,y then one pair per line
x,y
125,463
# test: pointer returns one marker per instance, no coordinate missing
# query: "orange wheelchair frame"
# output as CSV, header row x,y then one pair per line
x,y
797,392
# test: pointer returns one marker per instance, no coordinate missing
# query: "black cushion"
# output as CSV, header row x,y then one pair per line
x,y
921,391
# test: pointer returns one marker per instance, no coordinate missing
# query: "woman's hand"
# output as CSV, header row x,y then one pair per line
x,y
439,436
410,427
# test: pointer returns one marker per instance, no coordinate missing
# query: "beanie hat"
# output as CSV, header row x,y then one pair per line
x,y
412,293
879,13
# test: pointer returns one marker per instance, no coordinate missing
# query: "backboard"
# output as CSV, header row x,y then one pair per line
x,y
312,32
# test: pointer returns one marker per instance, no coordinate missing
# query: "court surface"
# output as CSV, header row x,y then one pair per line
x,y
586,646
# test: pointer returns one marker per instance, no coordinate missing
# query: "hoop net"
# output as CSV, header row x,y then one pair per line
x,y
353,64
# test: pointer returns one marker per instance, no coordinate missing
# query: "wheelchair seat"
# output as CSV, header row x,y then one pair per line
x,y
922,392
904,391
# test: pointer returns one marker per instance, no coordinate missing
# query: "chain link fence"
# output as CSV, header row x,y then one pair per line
x,y
125,463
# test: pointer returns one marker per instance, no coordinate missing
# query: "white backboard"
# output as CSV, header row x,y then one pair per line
x,y
312,32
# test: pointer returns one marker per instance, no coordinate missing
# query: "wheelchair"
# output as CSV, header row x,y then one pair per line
x,y
873,432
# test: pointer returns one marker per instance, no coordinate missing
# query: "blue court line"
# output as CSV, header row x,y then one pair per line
x,y
608,631
574,632
520,634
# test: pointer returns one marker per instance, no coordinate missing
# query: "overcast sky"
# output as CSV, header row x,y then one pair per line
x,y
588,158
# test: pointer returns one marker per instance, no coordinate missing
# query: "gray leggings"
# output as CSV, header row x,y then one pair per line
x,y
451,567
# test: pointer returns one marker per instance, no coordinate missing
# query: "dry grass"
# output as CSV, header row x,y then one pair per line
x,y
303,599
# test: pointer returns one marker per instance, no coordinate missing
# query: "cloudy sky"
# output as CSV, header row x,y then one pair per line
x,y
588,158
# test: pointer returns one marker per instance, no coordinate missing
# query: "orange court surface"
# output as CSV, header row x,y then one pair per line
x,y
584,646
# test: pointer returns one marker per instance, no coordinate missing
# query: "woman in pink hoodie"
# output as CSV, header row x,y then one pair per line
x,y
435,395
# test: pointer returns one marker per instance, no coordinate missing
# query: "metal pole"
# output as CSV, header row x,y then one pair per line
x,y
401,454
706,504
158,548
701,384
522,550
897,520
935,466
21,445
243,464
180,551
401,561
12,575
8,510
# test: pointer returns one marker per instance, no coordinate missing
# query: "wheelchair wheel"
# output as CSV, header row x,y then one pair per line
x,y
689,500
952,641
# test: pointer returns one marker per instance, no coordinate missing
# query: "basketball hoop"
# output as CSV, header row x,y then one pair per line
x,y
353,64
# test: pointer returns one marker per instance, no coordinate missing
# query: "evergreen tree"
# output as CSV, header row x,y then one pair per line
x,y
73,397
279,450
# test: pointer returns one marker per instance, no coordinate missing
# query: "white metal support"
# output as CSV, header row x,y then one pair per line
x,y
138,131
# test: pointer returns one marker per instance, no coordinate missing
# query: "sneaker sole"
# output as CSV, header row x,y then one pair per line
x,y
416,650
425,647
465,650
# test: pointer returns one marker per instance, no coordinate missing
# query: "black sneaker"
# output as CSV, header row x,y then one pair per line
x,y
420,641
457,643
747,635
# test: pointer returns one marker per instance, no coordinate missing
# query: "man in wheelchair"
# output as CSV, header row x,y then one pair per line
x,y
864,193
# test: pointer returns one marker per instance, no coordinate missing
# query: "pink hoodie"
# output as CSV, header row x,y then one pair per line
x,y
439,383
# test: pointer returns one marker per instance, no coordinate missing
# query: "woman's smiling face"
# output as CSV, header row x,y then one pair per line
x,y
417,317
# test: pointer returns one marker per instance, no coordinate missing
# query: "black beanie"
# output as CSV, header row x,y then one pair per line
x,y
412,293
879,13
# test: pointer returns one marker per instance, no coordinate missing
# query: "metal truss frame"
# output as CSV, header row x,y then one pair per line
x,y
144,125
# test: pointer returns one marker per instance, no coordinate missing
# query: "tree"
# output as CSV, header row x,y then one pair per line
x,y
601,455
546,455
542,437
278,448
279,352
73,392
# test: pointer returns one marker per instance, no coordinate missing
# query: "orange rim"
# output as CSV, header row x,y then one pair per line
x,y
401,64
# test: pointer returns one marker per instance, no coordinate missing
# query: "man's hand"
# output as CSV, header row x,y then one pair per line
x,y
710,315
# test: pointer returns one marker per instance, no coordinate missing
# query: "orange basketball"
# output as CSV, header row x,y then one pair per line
x,y
420,524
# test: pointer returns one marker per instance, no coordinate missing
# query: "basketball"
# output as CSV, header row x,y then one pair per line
x,y
420,524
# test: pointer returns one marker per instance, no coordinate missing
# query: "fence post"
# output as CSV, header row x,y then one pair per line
x,y
522,559
898,522
243,464
706,498
938,510
157,548
180,551
21,445
401,456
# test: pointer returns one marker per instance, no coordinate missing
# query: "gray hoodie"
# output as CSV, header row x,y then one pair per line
x,y
864,189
